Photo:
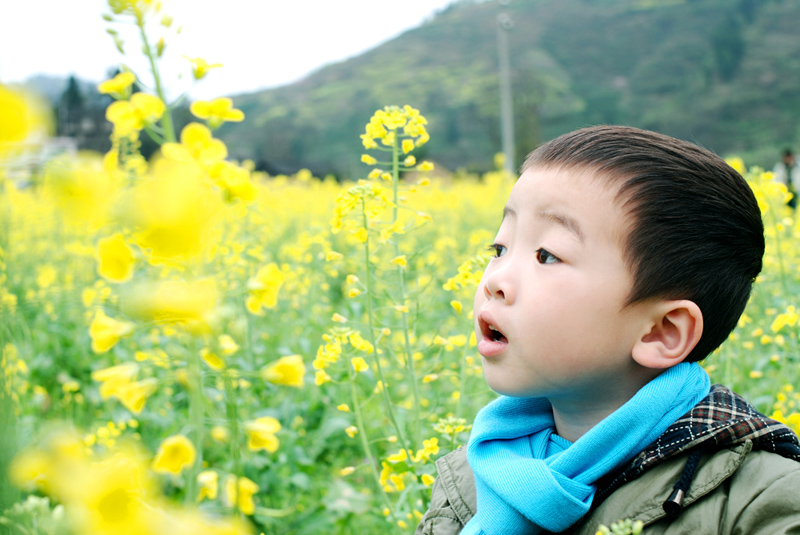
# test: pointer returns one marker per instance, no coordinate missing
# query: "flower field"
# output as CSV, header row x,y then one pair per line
x,y
190,346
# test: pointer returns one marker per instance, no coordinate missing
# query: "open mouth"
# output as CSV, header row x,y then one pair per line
x,y
490,332
496,336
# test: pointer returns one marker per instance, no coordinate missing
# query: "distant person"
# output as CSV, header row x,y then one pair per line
x,y
624,258
787,172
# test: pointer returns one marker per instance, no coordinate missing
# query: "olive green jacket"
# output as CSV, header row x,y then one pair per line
x,y
735,491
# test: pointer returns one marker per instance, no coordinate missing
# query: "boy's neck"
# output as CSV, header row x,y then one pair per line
x,y
576,414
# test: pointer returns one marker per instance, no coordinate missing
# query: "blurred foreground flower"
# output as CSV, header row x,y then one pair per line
x,y
115,259
191,304
105,331
174,454
175,212
83,188
113,494
119,382
264,288
209,485
287,371
239,493
261,434
20,116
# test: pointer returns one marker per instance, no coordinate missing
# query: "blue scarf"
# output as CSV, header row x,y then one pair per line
x,y
529,479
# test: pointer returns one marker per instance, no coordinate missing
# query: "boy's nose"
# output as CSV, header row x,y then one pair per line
x,y
498,286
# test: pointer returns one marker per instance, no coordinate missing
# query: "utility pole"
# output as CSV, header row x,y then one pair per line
x,y
504,25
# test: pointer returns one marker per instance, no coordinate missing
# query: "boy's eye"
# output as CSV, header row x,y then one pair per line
x,y
497,249
543,256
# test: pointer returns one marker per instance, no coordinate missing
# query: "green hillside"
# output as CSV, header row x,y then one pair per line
x,y
723,73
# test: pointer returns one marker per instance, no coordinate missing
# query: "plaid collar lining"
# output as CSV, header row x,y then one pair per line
x,y
722,419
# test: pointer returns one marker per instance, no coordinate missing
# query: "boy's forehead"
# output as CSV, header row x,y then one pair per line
x,y
566,195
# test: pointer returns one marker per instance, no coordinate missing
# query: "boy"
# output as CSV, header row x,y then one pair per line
x,y
624,257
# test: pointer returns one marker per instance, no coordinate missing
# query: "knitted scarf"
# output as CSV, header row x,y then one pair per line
x,y
529,479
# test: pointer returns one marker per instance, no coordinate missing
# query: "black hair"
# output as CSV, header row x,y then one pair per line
x,y
695,227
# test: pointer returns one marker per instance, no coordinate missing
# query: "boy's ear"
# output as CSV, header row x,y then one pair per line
x,y
672,331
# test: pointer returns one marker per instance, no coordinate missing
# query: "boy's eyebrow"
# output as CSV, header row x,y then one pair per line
x,y
567,222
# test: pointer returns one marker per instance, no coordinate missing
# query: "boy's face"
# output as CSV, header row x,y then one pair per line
x,y
556,291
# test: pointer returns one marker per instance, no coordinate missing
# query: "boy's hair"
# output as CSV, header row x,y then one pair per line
x,y
696,230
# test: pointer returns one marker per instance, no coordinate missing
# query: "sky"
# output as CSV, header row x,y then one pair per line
x,y
260,43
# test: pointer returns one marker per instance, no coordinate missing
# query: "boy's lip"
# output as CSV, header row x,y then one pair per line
x,y
489,345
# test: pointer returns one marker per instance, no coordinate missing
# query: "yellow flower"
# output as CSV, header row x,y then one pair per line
x,y
425,166
212,359
261,434
197,144
359,343
115,259
129,116
17,120
343,407
287,371
346,471
216,111
369,160
209,485
191,303
220,433
45,276
200,68
240,493
351,431
408,146
134,395
333,255
228,345
338,318
354,292
119,85
400,261
398,457
457,306
428,480
410,161
105,331
114,496
264,288
174,454
115,378
430,378
233,180
359,364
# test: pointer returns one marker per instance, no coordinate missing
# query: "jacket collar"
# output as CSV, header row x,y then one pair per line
x,y
723,419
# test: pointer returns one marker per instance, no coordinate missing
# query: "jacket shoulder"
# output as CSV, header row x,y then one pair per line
x,y
453,497
735,490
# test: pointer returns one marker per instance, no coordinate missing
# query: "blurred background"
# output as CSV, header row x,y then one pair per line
x,y
722,73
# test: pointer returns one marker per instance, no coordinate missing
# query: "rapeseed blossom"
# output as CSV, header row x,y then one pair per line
x,y
106,332
174,454
216,111
263,288
115,259
287,371
261,434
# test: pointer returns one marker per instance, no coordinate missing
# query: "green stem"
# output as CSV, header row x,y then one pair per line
x,y
232,412
166,119
412,373
362,431
196,414
370,318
